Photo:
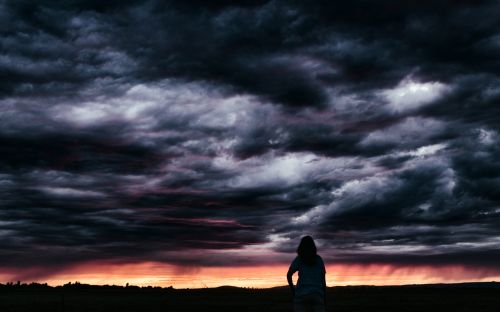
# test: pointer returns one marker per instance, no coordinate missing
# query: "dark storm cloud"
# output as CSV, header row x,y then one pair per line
x,y
74,153
474,101
187,132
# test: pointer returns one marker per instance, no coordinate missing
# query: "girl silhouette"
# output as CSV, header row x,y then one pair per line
x,y
310,292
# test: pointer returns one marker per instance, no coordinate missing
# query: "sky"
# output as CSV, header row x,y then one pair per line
x,y
193,143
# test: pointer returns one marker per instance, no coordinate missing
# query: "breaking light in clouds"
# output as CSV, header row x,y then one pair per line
x,y
410,95
200,141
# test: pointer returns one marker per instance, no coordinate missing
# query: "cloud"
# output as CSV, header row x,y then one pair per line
x,y
199,133
410,95
410,132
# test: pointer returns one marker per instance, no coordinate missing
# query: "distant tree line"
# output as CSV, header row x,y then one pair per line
x,y
76,286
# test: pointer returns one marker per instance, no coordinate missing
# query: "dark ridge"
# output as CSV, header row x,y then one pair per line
x,y
81,286
77,297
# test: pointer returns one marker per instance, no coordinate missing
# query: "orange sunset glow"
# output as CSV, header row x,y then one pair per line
x,y
157,274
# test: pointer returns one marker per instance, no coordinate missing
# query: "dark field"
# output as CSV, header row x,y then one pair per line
x,y
456,298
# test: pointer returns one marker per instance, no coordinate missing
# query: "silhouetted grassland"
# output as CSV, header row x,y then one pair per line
x,y
477,297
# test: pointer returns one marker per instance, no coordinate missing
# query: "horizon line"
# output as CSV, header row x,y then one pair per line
x,y
77,283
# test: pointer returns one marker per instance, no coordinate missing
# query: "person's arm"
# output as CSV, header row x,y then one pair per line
x,y
324,287
290,281
324,280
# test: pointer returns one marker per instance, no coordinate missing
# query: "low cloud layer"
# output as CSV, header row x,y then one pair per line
x,y
201,134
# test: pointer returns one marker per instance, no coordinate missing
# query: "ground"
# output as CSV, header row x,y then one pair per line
x,y
83,298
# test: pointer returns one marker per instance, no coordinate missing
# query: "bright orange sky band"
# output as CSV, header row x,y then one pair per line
x,y
158,274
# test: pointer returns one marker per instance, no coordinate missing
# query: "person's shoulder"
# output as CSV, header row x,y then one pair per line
x,y
294,266
320,263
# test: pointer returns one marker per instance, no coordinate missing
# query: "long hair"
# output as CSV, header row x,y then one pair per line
x,y
307,250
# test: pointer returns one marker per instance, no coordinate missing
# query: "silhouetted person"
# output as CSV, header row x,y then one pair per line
x,y
310,292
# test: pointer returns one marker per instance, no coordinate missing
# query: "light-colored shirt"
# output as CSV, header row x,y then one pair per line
x,y
310,276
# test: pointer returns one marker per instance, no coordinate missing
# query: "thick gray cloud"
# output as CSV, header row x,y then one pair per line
x,y
190,132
